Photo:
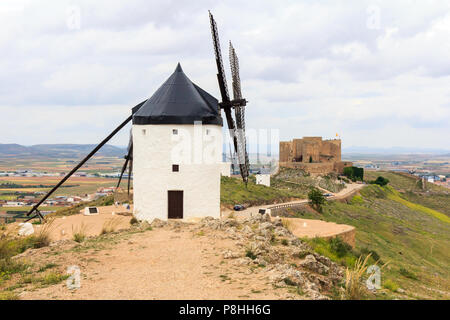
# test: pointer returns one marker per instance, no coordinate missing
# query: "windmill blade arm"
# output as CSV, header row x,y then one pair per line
x,y
78,166
218,53
123,171
130,168
239,109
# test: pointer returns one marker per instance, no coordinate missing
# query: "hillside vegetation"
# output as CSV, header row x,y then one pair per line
x,y
414,239
233,191
293,180
433,196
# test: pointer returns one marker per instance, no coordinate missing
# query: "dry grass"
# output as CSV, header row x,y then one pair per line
x,y
8,295
110,225
354,289
42,237
287,224
79,234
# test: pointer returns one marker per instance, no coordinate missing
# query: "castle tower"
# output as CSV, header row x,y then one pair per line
x,y
177,152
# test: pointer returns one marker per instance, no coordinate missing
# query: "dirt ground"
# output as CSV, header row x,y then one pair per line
x,y
61,228
163,263
316,228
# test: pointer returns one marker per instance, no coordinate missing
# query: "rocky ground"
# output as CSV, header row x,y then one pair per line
x,y
257,258
287,261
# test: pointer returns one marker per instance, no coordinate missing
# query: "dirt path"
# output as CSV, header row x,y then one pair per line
x,y
166,263
349,188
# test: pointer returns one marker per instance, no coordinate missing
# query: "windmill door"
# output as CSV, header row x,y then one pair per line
x,y
175,204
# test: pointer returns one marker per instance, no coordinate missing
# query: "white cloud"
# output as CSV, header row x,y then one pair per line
x,y
307,67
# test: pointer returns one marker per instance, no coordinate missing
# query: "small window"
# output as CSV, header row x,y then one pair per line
x,y
175,168
207,132
144,132
175,131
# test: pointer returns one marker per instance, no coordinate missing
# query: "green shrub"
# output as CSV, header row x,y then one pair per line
x,y
316,199
134,221
53,278
8,266
8,295
10,247
390,285
47,266
407,274
284,242
381,181
357,200
340,247
289,282
334,250
250,254
374,255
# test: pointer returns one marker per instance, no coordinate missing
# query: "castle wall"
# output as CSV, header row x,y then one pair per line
x,y
285,151
324,154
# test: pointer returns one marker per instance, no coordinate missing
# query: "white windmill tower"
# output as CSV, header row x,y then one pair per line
x,y
177,152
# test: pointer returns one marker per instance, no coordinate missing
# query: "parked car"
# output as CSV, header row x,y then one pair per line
x,y
238,207
327,195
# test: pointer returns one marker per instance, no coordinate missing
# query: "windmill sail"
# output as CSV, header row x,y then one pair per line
x,y
239,110
227,104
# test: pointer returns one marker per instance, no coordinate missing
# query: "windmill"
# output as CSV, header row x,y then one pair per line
x,y
162,187
236,129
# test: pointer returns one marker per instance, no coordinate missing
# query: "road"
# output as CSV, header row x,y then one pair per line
x,y
349,188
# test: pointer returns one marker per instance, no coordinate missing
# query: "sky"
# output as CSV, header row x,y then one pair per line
x,y
375,72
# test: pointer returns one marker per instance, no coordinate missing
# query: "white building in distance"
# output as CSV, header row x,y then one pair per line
x,y
263,179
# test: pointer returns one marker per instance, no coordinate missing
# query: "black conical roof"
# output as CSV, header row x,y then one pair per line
x,y
179,101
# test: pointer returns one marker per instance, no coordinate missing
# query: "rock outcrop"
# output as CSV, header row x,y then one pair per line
x,y
288,261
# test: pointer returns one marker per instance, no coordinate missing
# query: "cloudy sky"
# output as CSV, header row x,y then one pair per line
x,y
376,72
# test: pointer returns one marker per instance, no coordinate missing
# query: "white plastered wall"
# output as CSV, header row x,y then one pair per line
x,y
226,169
198,152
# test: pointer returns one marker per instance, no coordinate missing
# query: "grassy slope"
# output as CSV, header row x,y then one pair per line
x,y
233,191
402,181
434,197
406,235
297,181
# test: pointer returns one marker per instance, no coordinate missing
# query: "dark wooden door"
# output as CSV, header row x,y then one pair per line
x,y
175,204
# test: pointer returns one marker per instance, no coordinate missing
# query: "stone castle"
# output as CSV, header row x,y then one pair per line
x,y
313,155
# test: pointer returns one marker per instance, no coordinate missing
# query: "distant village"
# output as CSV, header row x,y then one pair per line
x,y
58,201
427,171
30,198
30,173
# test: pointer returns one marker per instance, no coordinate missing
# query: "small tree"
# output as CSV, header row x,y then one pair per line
x,y
316,199
381,181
